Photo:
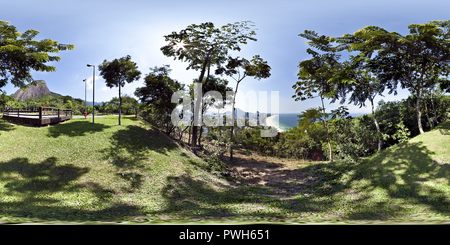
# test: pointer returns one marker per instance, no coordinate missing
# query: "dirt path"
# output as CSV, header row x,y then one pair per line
x,y
287,177
266,171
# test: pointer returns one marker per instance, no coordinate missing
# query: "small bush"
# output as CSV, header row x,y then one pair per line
x,y
214,163
76,112
402,134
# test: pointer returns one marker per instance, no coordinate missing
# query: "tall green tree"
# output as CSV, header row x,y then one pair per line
x,y
238,69
117,72
356,79
415,60
203,45
215,84
315,73
20,53
157,93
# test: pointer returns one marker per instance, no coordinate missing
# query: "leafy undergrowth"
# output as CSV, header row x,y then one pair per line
x,y
82,172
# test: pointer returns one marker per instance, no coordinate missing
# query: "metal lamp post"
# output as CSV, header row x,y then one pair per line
x,y
93,91
85,91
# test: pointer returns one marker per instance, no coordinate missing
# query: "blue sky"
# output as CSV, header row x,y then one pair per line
x,y
111,29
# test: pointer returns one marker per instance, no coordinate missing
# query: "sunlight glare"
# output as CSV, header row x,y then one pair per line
x,y
178,46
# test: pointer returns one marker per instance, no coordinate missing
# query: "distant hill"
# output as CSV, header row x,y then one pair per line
x,y
89,103
53,94
34,91
39,91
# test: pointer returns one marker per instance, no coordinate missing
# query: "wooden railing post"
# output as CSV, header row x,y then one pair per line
x,y
40,113
58,112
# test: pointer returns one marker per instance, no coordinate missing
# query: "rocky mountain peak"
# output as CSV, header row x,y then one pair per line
x,y
34,91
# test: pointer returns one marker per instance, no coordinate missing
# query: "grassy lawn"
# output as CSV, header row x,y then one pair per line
x,y
79,171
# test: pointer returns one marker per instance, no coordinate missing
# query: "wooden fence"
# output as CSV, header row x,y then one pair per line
x,y
38,115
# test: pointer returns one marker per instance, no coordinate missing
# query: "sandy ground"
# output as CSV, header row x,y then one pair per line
x,y
271,124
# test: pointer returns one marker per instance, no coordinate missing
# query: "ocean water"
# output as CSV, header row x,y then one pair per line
x,y
289,120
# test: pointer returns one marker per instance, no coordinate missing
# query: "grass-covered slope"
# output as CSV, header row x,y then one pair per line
x,y
79,171
408,181
83,171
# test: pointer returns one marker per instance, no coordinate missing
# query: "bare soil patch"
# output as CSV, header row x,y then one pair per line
x,y
254,169
287,177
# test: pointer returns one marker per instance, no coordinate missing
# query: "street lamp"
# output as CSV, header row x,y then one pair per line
x,y
85,85
93,91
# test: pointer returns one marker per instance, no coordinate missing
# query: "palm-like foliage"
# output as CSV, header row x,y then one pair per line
x,y
355,78
315,74
412,60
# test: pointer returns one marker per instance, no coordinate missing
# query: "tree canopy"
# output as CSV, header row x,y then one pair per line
x,y
314,74
203,45
257,68
20,53
157,93
117,72
415,60
193,43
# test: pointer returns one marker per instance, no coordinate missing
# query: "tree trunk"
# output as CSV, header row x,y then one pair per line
x,y
120,106
189,139
231,142
182,132
195,128
200,136
419,114
326,128
206,84
220,118
376,125
197,107
198,102
426,112
232,120
167,128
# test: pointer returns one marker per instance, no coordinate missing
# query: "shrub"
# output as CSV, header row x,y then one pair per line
x,y
217,149
402,134
76,112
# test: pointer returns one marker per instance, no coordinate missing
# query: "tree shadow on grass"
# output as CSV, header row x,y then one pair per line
x,y
41,209
399,171
130,152
6,126
130,146
191,198
76,128
267,173
34,183
444,128
44,177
